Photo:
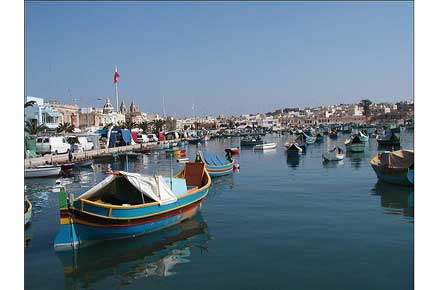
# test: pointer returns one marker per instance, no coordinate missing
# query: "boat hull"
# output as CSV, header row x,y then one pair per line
x,y
332,157
265,146
398,176
85,223
41,172
216,171
356,147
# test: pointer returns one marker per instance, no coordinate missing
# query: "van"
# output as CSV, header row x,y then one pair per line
x,y
152,138
80,144
52,145
142,138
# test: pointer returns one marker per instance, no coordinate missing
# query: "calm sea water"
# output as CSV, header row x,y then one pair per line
x,y
280,223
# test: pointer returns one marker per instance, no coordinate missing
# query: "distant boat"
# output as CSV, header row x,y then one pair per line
x,y
105,158
126,205
215,165
363,137
309,139
42,171
85,163
195,140
319,137
347,129
333,134
27,211
233,150
265,146
388,139
251,141
336,154
354,144
393,167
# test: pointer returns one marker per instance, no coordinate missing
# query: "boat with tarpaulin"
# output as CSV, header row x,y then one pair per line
x,y
215,165
393,167
127,204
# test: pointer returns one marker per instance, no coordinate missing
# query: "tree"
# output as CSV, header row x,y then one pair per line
x,y
365,104
129,124
120,124
108,126
33,128
145,126
29,104
65,127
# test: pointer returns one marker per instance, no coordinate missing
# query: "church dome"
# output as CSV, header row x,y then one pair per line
x,y
108,107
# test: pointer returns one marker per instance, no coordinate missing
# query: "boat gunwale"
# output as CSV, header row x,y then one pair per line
x,y
188,193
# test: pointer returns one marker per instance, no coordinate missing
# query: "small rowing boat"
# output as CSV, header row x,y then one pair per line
x,y
309,139
233,150
42,171
354,144
125,205
265,146
250,141
84,163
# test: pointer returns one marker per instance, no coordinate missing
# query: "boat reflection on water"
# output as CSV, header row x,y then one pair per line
x,y
395,199
221,185
356,158
293,160
126,260
332,164
27,235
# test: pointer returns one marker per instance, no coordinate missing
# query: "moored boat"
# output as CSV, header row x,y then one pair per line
x,y
319,137
251,141
127,204
336,154
354,144
42,171
215,165
84,163
309,139
27,211
388,139
333,134
265,146
393,167
233,151
363,137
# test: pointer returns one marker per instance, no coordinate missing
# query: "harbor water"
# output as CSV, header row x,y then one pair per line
x,y
278,223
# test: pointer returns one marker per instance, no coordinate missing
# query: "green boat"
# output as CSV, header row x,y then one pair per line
x,y
355,144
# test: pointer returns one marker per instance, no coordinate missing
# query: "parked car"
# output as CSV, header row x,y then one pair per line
x,y
152,138
142,138
80,144
52,145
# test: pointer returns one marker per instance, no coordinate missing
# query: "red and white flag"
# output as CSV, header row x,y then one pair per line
x,y
116,76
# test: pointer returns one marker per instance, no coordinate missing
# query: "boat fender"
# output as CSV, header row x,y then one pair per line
x,y
237,167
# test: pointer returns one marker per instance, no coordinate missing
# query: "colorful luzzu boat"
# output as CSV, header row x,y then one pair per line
x,y
395,167
354,144
215,165
128,204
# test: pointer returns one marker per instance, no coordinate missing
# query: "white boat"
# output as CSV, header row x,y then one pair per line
x,y
42,171
265,146
336,154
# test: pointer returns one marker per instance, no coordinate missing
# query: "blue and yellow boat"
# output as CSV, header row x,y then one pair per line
x,y
127,204
395,167
215,165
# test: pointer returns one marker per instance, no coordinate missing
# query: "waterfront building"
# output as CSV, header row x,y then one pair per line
x,y
42,113
68,113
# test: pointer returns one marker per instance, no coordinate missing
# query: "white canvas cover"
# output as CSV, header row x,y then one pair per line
x,y
154,187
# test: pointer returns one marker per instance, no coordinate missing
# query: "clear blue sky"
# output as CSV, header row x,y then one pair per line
x,y
231,58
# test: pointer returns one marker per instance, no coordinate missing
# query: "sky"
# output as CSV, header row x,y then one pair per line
x,y
227,57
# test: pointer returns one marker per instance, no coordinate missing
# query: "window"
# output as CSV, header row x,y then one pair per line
x,y
39,140
46,140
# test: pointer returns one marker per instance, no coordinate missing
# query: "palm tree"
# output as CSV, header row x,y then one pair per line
x,y
29,104
121,125
65,127
33,128
145,126
365,104
129,124
108,126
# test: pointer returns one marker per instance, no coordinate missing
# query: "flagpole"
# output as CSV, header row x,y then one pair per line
x,y
116,91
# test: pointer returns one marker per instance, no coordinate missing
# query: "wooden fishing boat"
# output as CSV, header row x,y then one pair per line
x,y
388,139
336,154
309,139
42,171
215,165
105,158
393,167
354,144
250,141
195,140
265,146
347,129
128,204
27,211
295,148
